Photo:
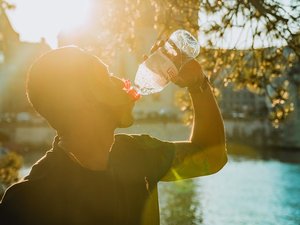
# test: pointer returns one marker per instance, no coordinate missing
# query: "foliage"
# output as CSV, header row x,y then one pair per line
x,y
262,64
10,165
266,23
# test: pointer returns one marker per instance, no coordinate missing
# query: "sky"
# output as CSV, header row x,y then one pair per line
x,y
36,19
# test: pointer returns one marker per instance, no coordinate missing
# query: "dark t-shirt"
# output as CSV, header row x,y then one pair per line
x,y
59,191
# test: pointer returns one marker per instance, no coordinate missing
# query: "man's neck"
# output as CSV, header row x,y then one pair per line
x,y
89,148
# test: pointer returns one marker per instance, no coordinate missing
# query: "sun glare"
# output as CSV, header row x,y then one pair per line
x,y
36,19
75,13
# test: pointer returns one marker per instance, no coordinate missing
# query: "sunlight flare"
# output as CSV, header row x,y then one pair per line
x,y
35,19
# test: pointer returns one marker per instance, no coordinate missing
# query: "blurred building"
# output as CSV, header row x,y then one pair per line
x,y
15,58
246,118
245,115
242,104
290,131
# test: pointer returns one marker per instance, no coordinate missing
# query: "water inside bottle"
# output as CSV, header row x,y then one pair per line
x,y
148,82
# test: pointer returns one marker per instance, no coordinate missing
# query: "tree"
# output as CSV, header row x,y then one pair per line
x,y
10,165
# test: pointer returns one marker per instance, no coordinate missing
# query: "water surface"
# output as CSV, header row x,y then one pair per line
x,y
245,192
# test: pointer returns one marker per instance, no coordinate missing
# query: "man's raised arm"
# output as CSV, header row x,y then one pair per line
x,y
205,152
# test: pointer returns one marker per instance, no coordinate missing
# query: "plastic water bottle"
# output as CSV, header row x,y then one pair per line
x,y
165,63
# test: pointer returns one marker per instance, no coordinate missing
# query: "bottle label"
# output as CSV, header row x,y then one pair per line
x,y
160,64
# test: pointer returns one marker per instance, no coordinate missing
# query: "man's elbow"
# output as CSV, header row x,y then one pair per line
x,y
220,164
218,159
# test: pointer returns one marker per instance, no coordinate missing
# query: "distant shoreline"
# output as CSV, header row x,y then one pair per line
x,y
280,153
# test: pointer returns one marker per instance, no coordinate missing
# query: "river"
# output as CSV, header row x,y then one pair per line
x,y
245,192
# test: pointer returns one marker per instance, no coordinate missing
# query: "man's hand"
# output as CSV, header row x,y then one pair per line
x,y
190,75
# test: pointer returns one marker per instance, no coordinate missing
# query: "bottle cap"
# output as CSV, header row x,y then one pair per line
x,y
130,90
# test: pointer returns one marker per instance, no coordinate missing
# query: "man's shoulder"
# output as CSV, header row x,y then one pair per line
x,y
141,155
132,137
129,141
16,190
23,202
141,140
43,166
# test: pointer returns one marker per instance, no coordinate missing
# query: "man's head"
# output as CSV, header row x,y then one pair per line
x,y
67,81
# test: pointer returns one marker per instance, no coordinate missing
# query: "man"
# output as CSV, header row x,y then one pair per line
x,y
91,175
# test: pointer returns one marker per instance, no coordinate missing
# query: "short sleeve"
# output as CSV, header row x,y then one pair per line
x,y
140,156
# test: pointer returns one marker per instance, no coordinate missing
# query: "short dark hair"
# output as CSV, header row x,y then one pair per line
x,y
55,79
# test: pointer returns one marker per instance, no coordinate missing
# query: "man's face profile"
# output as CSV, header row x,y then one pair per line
x,y
64,80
